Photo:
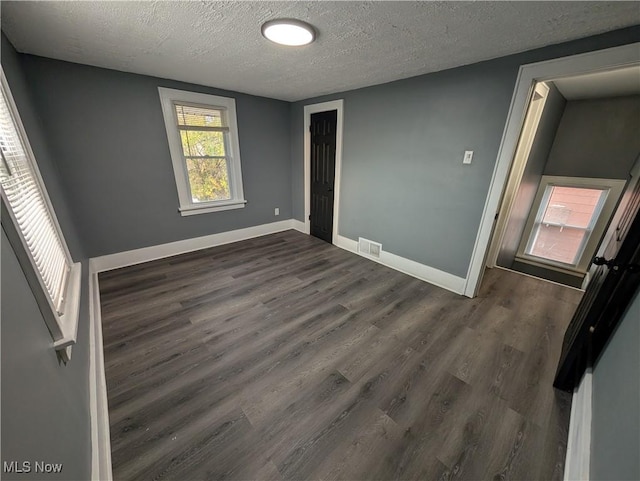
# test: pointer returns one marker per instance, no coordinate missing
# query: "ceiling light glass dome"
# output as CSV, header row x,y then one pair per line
x,y
287,31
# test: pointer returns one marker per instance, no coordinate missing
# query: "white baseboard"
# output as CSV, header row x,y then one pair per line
x,y
146,254
420,271
151,253
299,226
577,463
99,410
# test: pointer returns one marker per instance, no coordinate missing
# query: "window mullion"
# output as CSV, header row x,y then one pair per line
x,y
202,128
206,157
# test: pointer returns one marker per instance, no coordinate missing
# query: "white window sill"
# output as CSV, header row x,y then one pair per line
x,y
69,320
217,207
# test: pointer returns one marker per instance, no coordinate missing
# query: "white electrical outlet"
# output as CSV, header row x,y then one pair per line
x,y
277,211
468,156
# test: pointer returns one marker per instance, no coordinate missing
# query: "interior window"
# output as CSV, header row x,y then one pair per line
x,y
567,221
564,222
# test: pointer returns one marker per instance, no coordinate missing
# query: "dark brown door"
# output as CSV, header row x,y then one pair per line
x,y
615,278
323,172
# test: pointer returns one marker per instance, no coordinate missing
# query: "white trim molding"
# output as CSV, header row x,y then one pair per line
x,y
151,253
338,106
577,463
521,157
99,408
527,76
70,319
169,98
299,226
407,266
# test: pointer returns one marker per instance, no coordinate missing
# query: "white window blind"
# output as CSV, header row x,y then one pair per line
x,y
25,198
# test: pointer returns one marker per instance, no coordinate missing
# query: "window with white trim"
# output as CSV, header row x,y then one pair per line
x,y
567,221
31,225
202,132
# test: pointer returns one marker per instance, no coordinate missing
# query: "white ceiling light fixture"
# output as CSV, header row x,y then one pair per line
x,y
288,31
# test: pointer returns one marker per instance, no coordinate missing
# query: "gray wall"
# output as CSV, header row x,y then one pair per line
x,y
540,148
615,430
45,404
403,181
597,138
107,132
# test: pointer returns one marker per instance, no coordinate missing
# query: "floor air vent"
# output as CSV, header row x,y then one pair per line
x,y
370,248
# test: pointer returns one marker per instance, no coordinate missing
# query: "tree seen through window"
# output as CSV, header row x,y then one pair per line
x,y
202,133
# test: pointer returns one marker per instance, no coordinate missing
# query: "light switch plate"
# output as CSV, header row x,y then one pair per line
x,y
468,157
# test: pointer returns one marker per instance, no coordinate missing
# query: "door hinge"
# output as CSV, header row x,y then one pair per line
x,y
309,216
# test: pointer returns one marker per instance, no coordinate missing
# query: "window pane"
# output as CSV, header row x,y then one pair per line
x,y
202,143
561,232
198,116
208,179
572,206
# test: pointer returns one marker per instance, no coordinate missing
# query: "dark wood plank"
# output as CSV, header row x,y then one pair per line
x,y
284,357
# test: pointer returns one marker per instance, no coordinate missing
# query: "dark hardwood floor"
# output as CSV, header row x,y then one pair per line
x,y
284,357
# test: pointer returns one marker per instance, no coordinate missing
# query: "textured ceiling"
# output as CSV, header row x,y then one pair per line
x,y
359,43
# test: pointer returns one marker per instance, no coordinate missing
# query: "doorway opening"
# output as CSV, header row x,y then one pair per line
x,y
570,211
528,75
575,154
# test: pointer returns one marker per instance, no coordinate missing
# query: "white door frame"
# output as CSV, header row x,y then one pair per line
x,y
337,105
520,161
527,76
